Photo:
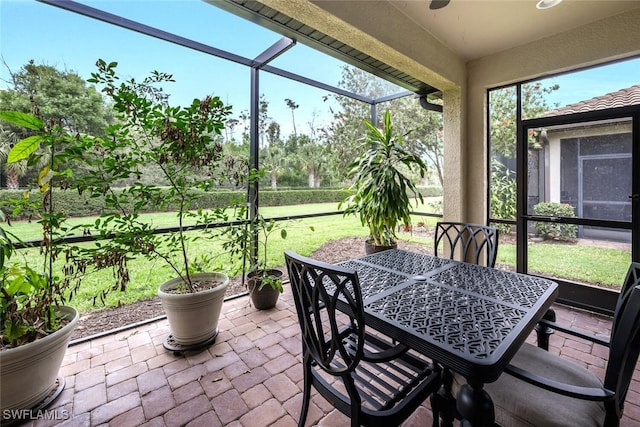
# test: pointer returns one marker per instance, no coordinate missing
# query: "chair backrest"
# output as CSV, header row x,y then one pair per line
x,y
318,288
624,347
473,242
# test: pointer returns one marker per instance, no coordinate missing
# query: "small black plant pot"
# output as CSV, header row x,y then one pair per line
x,y
267,297
370,248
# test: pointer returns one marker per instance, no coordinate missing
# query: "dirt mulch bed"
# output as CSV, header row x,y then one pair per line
x,y
99,321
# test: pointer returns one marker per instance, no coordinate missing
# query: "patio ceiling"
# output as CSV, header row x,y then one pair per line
x,y
290,27
465,29
473,29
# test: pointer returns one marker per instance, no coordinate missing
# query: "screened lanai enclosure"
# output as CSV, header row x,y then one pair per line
x,y
298,102
553,167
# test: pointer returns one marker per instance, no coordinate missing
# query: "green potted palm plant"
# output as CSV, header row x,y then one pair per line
x,y
381,187
184,146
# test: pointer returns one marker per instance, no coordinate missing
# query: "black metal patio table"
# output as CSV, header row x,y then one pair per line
x,y
468,318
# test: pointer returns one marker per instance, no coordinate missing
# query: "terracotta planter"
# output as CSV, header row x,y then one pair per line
x,y
370,248
29,373
267,297
193,317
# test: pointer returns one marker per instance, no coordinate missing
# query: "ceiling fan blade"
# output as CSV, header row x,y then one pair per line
x,y
438,4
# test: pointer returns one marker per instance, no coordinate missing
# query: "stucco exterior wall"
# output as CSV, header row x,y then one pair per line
x,y
454,190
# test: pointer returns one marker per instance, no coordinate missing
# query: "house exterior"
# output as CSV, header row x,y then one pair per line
x,y
588,166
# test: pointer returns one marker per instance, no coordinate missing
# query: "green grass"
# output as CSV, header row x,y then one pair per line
x,y
582,263
146,277
589,264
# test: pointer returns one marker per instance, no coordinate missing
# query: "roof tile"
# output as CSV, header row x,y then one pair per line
x,y
620,98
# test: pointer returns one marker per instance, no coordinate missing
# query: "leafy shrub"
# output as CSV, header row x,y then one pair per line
x,y
548,230
76,205
79,205
503,195
430,191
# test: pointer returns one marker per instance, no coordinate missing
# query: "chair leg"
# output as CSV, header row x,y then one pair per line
x,y
435,402
356,408
444,402
306,395
544,332
435,411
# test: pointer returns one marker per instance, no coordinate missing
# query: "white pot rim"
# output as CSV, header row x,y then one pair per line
x,y
173,283
29,372
71,313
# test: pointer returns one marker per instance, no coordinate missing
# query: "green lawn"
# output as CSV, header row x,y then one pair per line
x,y
581,263
589,264
146,277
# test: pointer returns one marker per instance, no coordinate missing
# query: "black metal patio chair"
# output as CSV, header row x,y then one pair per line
x,y
543,389
373,381
466,242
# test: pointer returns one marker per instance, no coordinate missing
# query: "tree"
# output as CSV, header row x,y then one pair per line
x,y
503,140
502,114
423,132
229,129
308,157
272,156
59,96
264,122
348,126
421,129
292,105
273,159
311,154
13,171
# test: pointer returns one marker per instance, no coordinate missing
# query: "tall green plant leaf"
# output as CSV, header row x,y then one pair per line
x,y
24,120
24,148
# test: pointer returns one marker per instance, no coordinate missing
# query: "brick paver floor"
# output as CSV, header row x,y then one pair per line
x,y
250,377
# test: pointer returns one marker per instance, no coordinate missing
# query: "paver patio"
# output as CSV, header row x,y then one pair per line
x,y
250,377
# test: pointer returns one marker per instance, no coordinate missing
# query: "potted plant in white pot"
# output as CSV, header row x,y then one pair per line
x,y
36,329
184,146
35,322
381,186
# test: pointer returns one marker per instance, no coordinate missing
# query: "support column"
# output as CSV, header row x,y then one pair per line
x,y
455,169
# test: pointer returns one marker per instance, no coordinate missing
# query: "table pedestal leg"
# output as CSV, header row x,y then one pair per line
x,y
475,406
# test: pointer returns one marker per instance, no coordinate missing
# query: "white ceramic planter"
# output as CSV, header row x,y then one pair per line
x,y
193,318
29,372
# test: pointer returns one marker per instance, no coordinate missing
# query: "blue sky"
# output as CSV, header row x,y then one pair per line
x,y
587,84
32,30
